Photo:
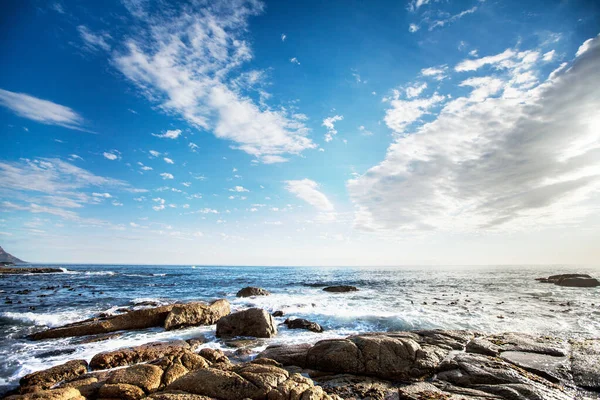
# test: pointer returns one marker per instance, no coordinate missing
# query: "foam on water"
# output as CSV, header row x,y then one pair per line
x,y
388,299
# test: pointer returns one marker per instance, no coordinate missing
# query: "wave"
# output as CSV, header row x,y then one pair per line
x,y
50,320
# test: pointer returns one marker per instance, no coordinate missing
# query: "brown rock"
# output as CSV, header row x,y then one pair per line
x,y
287,354
138,354
300,323
145,376
252,291
49,377
138,319
121,391
178,395
252,322
194,314
54,394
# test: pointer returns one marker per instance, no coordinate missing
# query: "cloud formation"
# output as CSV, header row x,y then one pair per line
x,y
43,111
512,153
187,60
308,190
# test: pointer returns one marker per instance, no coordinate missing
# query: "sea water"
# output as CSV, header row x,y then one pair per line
x,y
487,299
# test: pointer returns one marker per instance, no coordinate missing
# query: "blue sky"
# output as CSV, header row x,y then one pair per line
x,y
300,133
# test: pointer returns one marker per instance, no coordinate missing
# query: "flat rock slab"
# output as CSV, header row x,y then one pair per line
x,y
585,363
553,368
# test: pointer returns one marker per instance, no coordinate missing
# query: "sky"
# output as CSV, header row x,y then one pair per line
x,y
405,132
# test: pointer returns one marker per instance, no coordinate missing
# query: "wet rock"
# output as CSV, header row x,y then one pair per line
x,y
194,314
47,378
214,355
585,361
340,289
137,354
553,368
54,353
252,291
287,354
278,314
357,387
98,338
24,270
178,395
242,343
443,391
54,394
253,322
493,345
138,319
145,376
195,342
300,323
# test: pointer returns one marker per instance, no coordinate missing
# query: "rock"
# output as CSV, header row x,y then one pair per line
x,y
300,323
145,376
177,365
214,355
553,368
178,395
88,387
444,391
121,391
195,342
54,394
49,377
493,345
571,280
23,270
249,381
252,291
585,362
194,314
340,289
278,314
138,319
287,354
357,387
497,377
251,322
137,354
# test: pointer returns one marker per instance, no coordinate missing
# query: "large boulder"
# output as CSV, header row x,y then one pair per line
x,y
249,381
194,314
145,376
137,319
340,289
300,323
49,377
254,322
252,291
137,354
294,354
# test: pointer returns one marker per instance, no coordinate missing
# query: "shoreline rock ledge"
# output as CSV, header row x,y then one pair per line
x,y
415,365
571,280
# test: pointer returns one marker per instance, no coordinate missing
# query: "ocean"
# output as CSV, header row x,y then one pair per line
x,y
488,299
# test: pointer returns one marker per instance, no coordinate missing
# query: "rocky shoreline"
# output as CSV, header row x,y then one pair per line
x,y
415,365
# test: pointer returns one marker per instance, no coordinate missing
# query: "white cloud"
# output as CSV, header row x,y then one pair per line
x,y
154,153
414,5
43,111
329,123
415,90
94,41
404,112
188,61
283,37
168,160
193,147
365,131
412,28
102,195
274,159
501,60
208,211
453,18
110,156
524,157
166,175
585,46
294,60
549,55
307,190
170,134
437,73
238,189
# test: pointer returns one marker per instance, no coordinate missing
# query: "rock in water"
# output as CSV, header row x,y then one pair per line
x,y
194,314
300,323
252,291
254,322
340,289
571,280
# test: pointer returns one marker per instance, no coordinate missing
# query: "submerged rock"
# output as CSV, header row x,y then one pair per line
x,y
27,270
300,323
253,322
194,314
252,291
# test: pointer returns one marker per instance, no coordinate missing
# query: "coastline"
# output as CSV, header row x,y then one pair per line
x,y
197,321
